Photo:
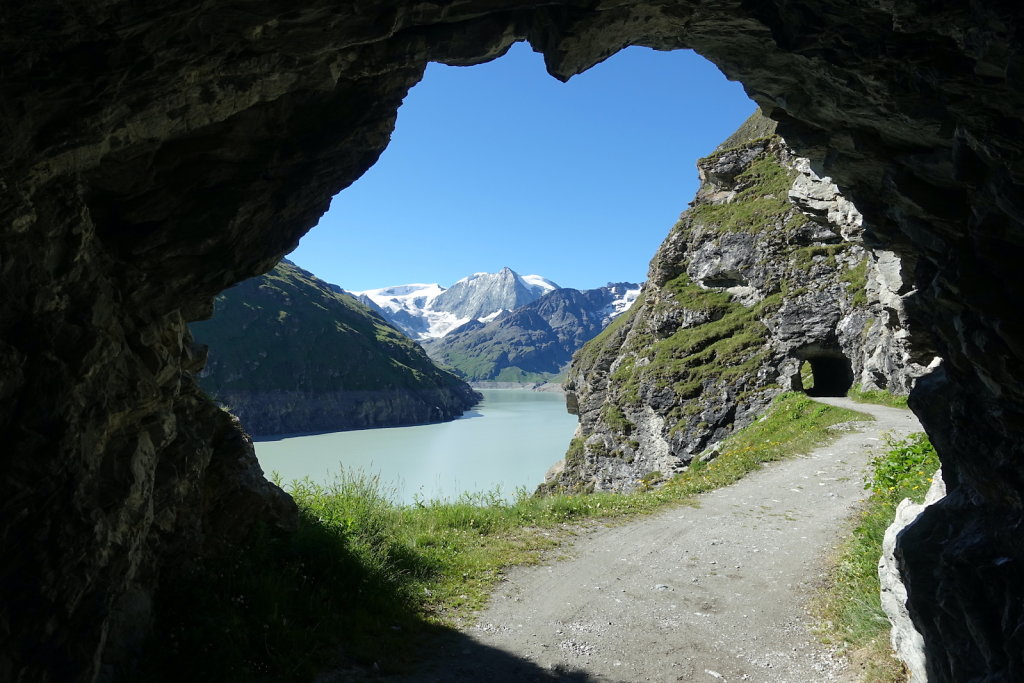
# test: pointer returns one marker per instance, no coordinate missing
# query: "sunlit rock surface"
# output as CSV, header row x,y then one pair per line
x,y
766,272
154,154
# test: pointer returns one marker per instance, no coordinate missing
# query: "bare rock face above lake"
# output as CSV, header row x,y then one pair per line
x,y
155,154
765,272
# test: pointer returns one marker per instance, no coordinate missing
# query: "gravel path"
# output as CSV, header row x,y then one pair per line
x,y
712,593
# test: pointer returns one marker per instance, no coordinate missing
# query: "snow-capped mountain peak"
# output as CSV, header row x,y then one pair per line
x,y
425,311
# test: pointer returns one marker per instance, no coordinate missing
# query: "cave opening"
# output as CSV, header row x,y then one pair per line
x,y
618,146
562,171
824,373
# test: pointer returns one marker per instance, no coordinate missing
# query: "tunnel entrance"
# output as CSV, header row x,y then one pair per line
x,y
824,373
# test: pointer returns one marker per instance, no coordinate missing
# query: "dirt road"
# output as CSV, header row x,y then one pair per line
x,y
712,593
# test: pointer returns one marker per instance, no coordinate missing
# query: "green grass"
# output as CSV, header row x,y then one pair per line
x,y
729,347
363,578
616,419
877,396
762,203
850,604
804,258
757,126
856,279
287,329
806,375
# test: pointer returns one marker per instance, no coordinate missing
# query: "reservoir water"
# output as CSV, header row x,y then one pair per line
x,y
508,441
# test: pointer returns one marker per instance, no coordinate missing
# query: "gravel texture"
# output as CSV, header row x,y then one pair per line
x,y
716,592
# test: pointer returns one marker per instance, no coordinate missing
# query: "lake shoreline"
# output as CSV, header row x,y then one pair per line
x,y
550,387
507,442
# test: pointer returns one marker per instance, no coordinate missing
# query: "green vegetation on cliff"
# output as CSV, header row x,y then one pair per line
x,y
727,348
755,127
289,354
726,342
760,205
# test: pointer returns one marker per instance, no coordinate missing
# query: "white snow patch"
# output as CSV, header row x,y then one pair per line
x,y
410,298
622,302
417,301
488,318
440,323
539,282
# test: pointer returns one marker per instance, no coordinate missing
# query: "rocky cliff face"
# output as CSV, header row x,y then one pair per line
x,y
289,354
535,342
156,153
766,273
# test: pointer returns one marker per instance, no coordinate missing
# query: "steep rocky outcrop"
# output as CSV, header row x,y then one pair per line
x,y
535,342
764,273
288,354
156,153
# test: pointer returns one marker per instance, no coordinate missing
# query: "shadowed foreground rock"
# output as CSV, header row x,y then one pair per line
x,y
153,154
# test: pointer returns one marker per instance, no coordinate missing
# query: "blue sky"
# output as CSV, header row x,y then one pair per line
x,y
502,165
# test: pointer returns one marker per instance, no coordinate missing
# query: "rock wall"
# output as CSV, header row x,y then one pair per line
x,y
906,641
154,154
766,271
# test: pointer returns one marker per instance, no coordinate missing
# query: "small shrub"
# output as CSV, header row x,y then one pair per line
x,y
904,469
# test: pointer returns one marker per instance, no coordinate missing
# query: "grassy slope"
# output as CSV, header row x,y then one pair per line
x,y
877,396
288,330
363,574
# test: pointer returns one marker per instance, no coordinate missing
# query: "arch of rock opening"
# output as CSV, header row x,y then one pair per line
x,y
823,371
832,375
153,155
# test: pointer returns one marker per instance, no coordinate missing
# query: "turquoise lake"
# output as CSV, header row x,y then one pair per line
x,y
507,441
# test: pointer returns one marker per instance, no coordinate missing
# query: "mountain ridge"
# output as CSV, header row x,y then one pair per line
x,y
427,311
289,353
534,342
